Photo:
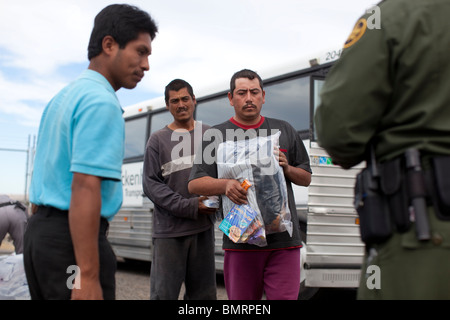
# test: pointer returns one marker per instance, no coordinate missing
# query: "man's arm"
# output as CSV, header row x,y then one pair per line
x,y
296,175
84,223
209,186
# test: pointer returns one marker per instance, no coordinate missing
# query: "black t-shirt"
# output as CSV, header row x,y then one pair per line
x,y
290,143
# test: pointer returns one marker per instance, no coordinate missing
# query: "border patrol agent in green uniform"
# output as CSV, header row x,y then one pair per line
x,y
387,102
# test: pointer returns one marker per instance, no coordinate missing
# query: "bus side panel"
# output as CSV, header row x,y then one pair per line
x,y
130,236
218,251
334,250
130,233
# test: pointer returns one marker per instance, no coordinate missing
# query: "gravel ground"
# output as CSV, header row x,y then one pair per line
x,y
6,246
132,278
133,282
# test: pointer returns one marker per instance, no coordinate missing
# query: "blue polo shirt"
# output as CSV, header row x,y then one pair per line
x,y
82,130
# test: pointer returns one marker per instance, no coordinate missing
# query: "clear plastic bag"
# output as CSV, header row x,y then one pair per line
x,y
13,282
254,159
242,224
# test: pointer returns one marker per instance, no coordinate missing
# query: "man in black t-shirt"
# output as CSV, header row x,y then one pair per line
x,y
251,270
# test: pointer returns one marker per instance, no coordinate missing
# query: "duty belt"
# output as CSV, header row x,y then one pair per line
x,y
389,194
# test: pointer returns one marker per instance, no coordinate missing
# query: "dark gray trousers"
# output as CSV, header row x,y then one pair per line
x,y
188,259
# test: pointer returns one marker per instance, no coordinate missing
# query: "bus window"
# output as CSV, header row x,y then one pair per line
x,y
214,111
317,85
135,137
289,100
160,120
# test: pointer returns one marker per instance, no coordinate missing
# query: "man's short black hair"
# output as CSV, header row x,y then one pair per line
x,y
122,22
177,85
244,73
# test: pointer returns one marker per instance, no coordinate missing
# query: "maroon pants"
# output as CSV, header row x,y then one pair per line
x,y
249,274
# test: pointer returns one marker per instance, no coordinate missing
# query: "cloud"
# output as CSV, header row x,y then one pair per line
x,y
199,39
44,35
24,101
43,45
204,42
212,41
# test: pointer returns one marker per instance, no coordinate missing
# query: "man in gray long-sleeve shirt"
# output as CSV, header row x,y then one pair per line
x,y
183,227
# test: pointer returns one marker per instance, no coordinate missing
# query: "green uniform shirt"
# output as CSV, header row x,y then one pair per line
x,y
391,87
390,84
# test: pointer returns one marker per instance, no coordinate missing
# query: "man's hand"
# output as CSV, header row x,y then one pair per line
x,y
203,209
235,192
282,159
90,289
296,175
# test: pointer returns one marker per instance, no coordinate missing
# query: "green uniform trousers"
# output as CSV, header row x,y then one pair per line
x,y
404,268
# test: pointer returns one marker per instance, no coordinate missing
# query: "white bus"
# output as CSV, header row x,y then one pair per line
x,y
332,253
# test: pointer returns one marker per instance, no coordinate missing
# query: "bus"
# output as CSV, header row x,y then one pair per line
x,y
332,253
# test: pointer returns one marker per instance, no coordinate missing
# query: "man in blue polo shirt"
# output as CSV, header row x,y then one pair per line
x,y
76,185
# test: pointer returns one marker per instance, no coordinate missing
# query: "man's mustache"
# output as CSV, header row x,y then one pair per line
x,y
181,109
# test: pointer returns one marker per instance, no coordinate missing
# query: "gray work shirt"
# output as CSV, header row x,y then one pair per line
x,y
168,160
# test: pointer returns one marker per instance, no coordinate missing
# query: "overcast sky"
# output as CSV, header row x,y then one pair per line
x,y
43,47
